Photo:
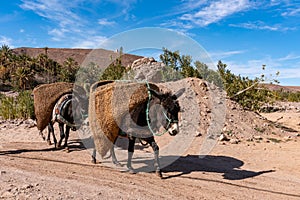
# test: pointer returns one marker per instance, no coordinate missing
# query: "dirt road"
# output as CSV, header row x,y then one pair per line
x,y
30,169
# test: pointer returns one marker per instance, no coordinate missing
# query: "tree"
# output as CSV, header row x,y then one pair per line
x,y
170,58
5,55
5,60
69,70
114,71
178,63
23,73
23,76
207,74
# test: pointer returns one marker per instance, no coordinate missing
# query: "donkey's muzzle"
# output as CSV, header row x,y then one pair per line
x,y
173,130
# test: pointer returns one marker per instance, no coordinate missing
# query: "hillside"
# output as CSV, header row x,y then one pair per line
x,y
275,87
79,55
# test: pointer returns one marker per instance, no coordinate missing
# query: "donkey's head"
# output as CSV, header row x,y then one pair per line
x,y
170,109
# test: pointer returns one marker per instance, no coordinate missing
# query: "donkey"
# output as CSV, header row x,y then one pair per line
x,y
69,110
141,117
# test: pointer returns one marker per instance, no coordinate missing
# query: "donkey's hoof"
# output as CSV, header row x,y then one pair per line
x,y
48,142
118,164
130,170
158,173
67,149
93,160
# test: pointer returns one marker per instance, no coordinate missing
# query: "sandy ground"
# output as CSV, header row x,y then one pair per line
x,y
30,169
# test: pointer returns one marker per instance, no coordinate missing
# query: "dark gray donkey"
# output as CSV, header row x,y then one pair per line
x,y
69,110
141,116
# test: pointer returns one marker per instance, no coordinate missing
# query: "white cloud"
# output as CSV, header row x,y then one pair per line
x,y
291,12
259,25
6,41
220,55
178,26
290,56
215,11
106,22
253,68
66,18
57,34
90,42
59,12
125,5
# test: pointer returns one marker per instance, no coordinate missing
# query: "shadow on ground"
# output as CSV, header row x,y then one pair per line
x,y
73,145
227,166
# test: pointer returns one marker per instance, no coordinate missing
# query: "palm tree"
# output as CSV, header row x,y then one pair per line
x,y
68,72
24,72
23,77
5,59
46,51
5,55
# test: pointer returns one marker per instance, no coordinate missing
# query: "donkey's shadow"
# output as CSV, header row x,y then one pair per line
x,y
227,166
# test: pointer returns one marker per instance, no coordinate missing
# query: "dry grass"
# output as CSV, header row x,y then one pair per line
x,y
45,97
109,103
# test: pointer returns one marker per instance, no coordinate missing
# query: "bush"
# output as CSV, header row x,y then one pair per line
x,y
114,71
282,95
247,92
20,107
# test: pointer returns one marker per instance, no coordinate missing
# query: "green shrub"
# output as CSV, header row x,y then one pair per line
x,y
282,95
8,107
249,93
20,107
114,71
25,107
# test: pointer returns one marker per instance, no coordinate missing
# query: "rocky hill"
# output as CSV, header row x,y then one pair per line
x,y
283,88
79,55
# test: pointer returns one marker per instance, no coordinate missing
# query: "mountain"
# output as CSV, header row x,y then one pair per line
x,y
79,55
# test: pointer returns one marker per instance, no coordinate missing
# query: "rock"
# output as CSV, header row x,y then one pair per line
x,y
234,141
142,61
257,137
287,138
203,114
223,138
198,134
30,123
26,186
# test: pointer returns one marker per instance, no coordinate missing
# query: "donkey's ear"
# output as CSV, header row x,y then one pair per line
x,y
155,93
179,93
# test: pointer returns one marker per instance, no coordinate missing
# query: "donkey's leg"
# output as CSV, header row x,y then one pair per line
x,y
51,130
130,153
67,133
94,156
155,148
62,134
113,156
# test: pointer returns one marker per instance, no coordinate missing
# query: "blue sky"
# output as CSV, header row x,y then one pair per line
x,y
244,34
